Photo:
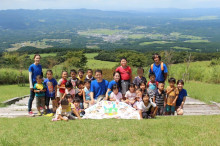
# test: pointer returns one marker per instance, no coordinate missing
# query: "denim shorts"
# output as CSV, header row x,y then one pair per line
x,y
170,108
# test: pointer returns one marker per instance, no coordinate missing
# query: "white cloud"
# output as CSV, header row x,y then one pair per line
x,y
107,4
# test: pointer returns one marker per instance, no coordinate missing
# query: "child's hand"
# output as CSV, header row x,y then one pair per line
x,y
174,103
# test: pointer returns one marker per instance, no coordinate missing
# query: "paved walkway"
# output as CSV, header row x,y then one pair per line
x,y
192,107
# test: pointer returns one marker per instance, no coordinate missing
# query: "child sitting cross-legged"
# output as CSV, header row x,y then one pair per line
x,y
131,95
115,95
65,109
146,108
61,112
138,98
76,108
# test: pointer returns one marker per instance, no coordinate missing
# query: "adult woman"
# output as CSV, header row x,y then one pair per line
x,y
116,80
35,69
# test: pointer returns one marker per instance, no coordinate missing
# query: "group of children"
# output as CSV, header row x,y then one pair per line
x,y
71,96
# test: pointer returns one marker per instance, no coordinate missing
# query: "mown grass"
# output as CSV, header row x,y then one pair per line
x,y
98,64
154,42
181,130
203,91
11,91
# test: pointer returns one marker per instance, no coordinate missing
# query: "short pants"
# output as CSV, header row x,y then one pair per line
x,y
47,100
124,86
170,108
160,110
40,101
146,114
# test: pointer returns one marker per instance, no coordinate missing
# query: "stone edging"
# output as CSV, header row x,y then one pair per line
x,y
13,100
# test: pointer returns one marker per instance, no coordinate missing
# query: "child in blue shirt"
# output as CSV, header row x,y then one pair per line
x,y
51,85
86,94
40,89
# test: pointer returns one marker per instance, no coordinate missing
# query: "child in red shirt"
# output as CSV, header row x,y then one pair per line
x,y
126,75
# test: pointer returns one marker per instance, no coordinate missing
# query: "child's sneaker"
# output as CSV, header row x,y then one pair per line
x,y
49,115
39,114
31,114
48,111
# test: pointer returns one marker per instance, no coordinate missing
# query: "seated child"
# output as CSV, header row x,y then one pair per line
x,y
61,112
160,99
79,92
143,88
140,78
138,98
147,109
115,95
69,89
152,86
130,95
40,89
172,95
181,97
86,94
76,108
62,83
51,85
89,75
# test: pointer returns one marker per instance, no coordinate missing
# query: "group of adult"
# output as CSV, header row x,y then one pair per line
x,y
100,87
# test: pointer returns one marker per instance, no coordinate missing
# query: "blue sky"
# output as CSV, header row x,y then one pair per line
x,y
107,4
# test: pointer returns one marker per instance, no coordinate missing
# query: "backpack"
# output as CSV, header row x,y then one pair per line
x,y
161,67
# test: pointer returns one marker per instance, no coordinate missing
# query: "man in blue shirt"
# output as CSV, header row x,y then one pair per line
x,y
159,69
98,87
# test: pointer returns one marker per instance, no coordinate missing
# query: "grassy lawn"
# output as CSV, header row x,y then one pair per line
x,y
203,91
10,91
94,64
154,42
182,130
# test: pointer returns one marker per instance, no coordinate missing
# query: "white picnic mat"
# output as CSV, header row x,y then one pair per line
x,y
111,109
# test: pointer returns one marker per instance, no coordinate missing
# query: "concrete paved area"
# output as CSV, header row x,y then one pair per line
x,y
192,107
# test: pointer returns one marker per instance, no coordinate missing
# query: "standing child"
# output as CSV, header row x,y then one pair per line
x,y
89,75
146,108
51,85
140,78
69,89
152,86
181,97
160,99
172,95
115,95
81,75
62,83
79,92
40,89
86,94
73,79
126,75
130,95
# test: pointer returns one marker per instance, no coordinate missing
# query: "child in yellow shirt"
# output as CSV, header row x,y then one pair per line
x,y
172,95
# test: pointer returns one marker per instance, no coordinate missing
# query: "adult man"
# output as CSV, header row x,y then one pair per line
x,y
159,69
98,87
